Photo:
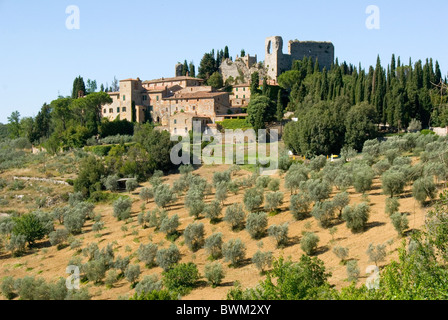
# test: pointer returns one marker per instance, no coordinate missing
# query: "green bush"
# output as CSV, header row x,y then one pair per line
x,y
29,226
323,212
253,199
122,208
156,295
213,211
148,284
132,273
273,200
400,222
341,252
300,206
147,254
376,254
182,278
392,206
170,225
353,271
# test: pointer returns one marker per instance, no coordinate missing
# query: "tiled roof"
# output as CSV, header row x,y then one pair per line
x,y
173,79
197,95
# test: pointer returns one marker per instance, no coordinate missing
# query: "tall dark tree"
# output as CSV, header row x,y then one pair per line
x,y
192,70
79,87
226,52
255,83
207,66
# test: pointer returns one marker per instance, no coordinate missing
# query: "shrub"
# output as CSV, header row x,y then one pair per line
x,y
340,201
256,225
323,212
166,258
309,243
214,273
376,254
170,225
253,199
111,183
213,211
300,206
341,252
381,166
353,271
393,182
98,226
194,236
132,273
424,188
147,254
400,222
234,187
122,208
279,233
392,206
356,217
156,295
131,185
317,163
262,260
296,175
415,126
144,218
195,206
156,217
182,278
273,200
235,216
29,226
148,284
16,244
213,245
58,237
146,194
234,251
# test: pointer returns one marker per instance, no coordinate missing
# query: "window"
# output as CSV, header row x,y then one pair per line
x,y
175,121
118,110
194,108
111,110
244,89
236,89
157,98
237,97
104,111
244,96
124,98
123,109
186,130
145,98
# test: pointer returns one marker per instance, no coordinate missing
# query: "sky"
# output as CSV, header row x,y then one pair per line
x,y
40,57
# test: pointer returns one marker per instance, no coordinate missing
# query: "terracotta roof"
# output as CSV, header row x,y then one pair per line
x,y
197,95
130,79
241,85
173,79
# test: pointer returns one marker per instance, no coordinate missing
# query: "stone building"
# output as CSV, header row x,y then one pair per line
x,y
276,62
173,103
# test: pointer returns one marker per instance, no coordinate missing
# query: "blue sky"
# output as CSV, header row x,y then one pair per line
x,y
40,57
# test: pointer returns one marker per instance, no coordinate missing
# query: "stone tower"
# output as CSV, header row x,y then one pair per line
x,y
276,62
178,72
274,57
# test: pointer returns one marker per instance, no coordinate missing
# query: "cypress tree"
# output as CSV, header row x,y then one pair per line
x,y
192,70
226,52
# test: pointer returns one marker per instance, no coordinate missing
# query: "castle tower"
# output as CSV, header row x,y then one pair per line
x,y
274,57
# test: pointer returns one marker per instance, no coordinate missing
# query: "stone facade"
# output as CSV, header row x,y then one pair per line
x,y
240,95
276,62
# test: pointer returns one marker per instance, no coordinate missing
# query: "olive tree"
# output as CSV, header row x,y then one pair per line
x,y
279,233
147,254
318,190
323,212
392,206
214,273
393,182
194,236
256,224
234,251
163,195
262,260
309,243
300,206
169,225
122,208
166,258
213,211
376,254
253,199
363,179
424,188
341,253
356,217
131,185
146,194
221,191
132,274
400,222
340,201
235,216
111,183
213,245
273,200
